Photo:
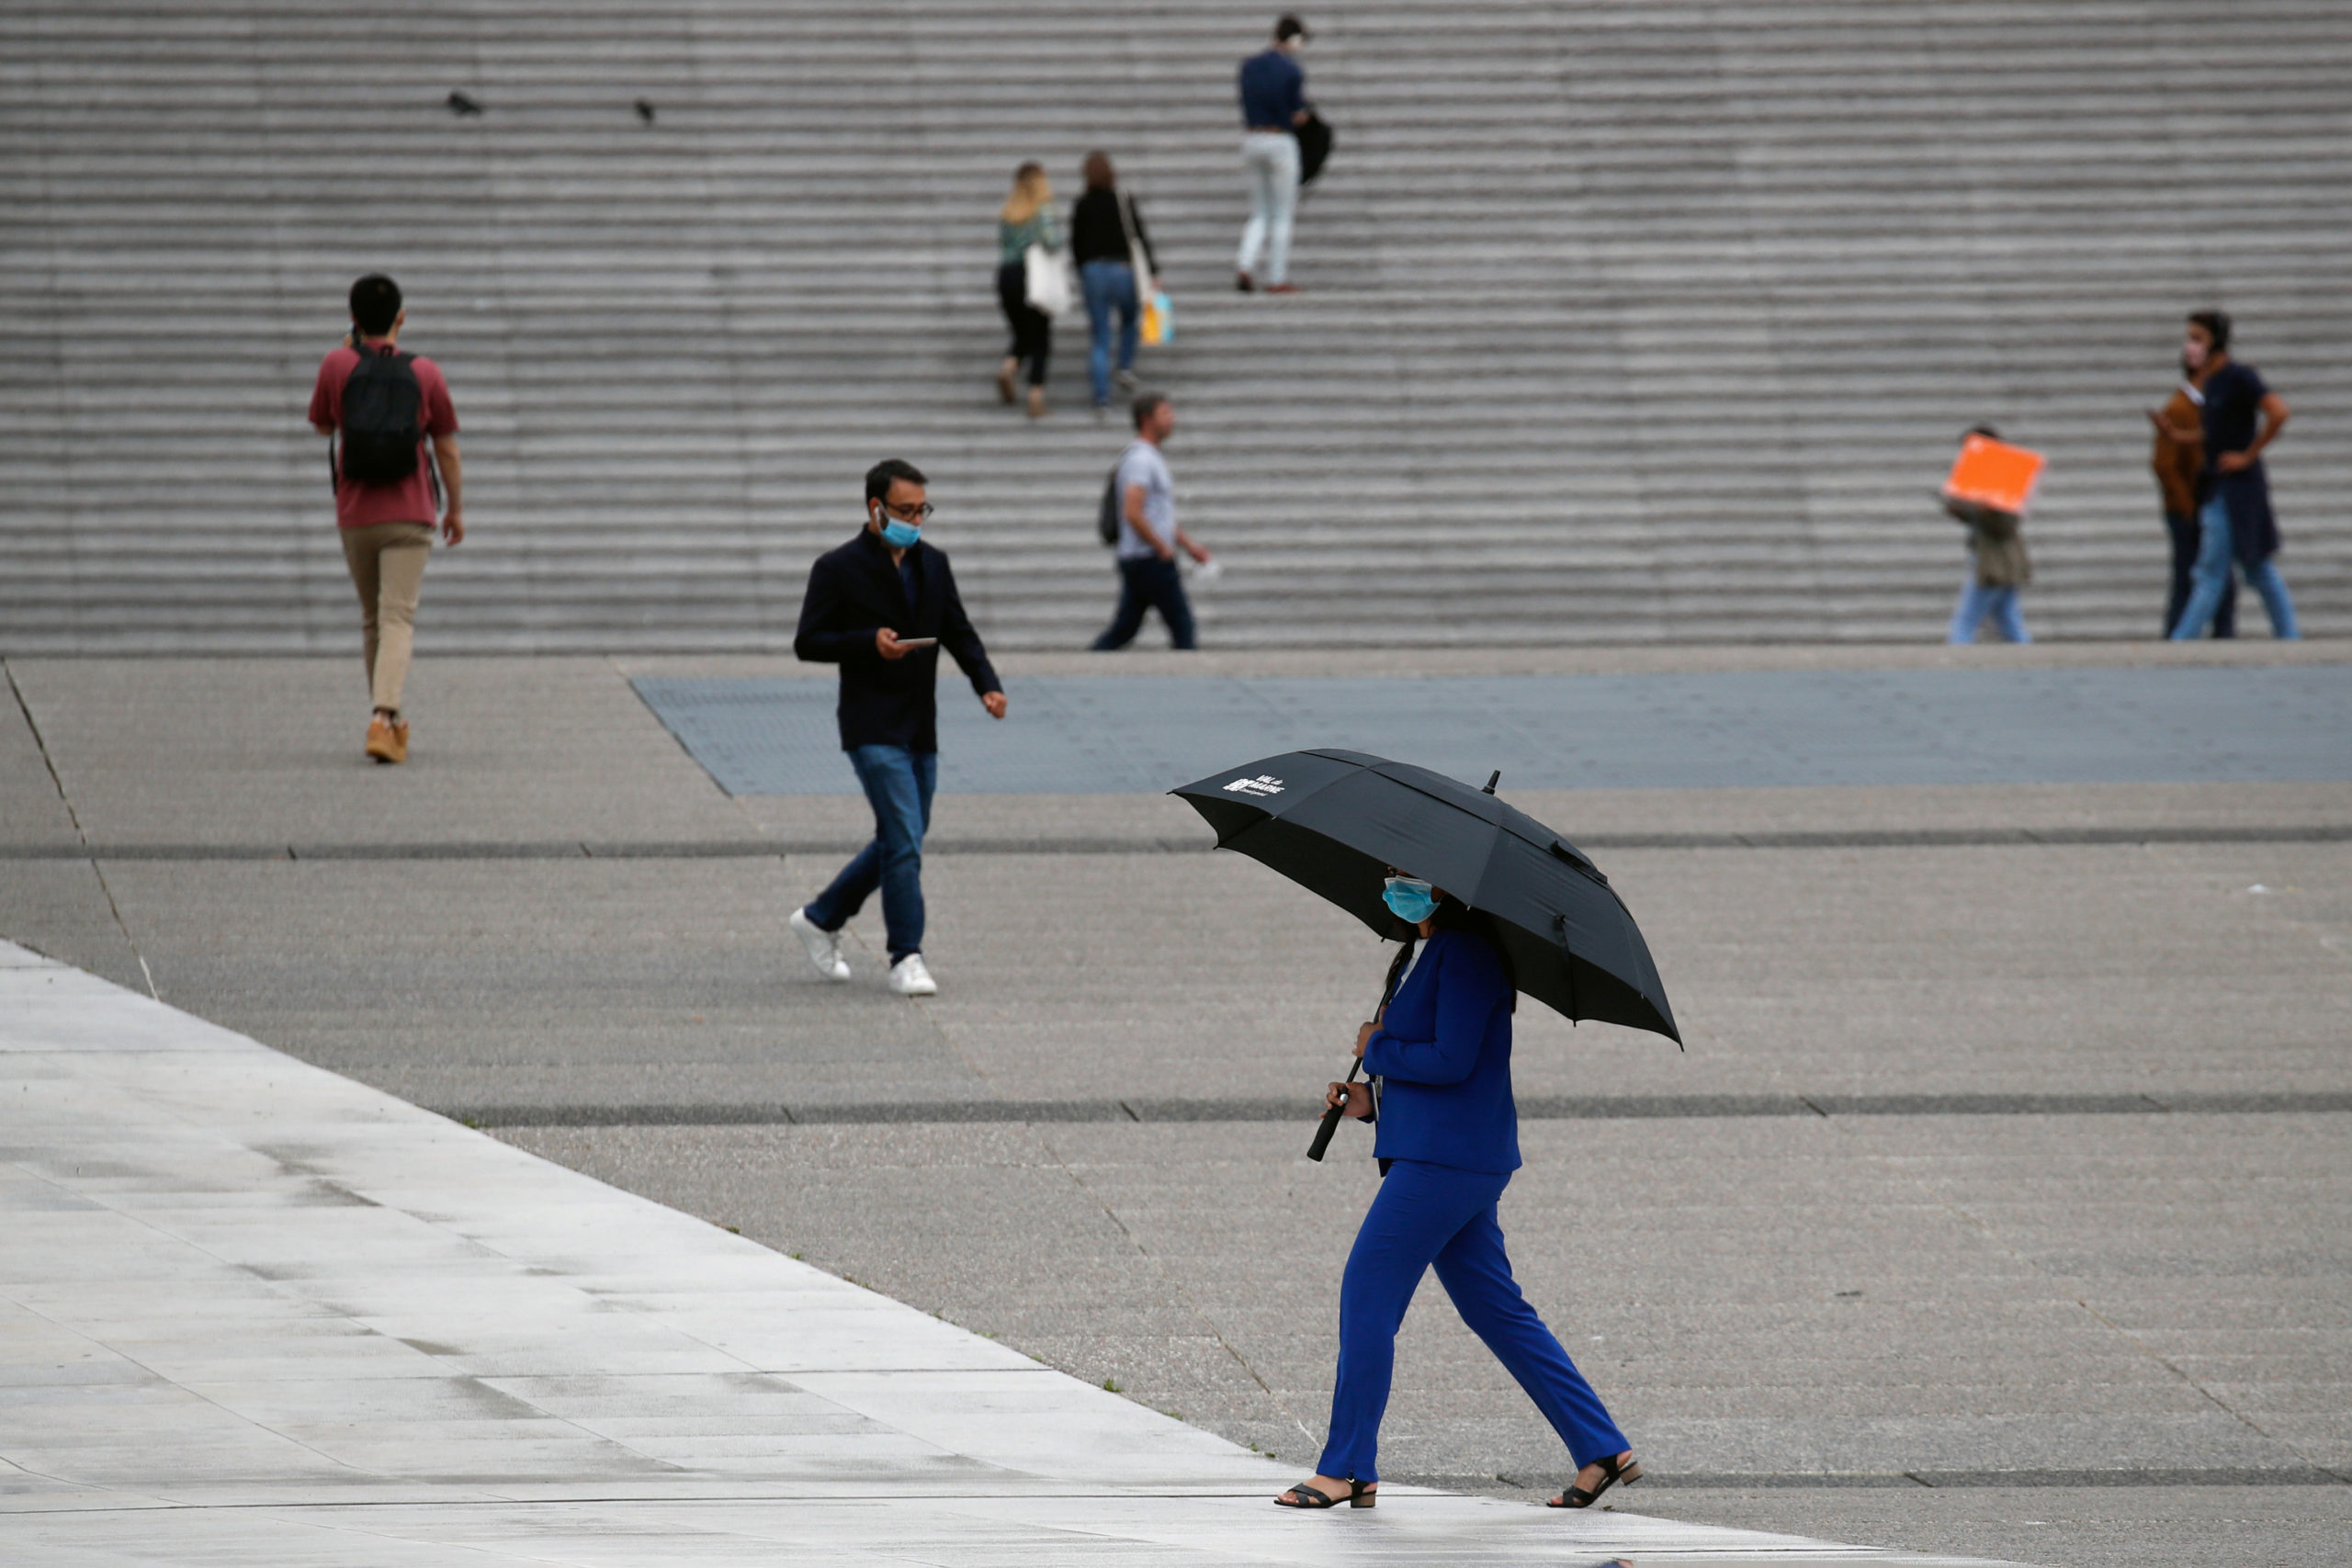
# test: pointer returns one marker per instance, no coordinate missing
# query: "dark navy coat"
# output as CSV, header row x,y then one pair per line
x,y
2233,397
853,592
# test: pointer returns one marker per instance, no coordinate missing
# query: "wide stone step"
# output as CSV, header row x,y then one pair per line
x,y
1681,354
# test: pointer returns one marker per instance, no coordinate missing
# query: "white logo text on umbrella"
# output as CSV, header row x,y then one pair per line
x,y
1264,784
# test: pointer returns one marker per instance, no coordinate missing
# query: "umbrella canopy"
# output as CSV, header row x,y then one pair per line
x,y
1334,822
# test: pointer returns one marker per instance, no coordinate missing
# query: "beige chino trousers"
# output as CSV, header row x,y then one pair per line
x,y
387,561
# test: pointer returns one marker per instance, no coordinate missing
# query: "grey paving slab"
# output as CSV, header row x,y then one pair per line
x,y
266,751
2095,1526
552,1365
64,908
32,809
1855,974
1764,1299
516,983
1075,735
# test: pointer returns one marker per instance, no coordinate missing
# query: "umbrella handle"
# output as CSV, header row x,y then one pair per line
x,y
1331,1117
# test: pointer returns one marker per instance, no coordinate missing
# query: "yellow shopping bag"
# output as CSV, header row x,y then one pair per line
x,y
1158,319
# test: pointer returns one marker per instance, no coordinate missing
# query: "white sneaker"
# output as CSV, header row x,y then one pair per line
x,y
824,947
910,979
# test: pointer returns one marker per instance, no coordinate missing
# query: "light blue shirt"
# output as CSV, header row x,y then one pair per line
x,y
1144,466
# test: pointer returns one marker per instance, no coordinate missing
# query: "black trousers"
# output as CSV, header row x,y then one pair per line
x,y
1032,331
2185,539
1149,583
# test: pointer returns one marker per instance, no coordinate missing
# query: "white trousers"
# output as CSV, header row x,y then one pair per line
x,y
1271,159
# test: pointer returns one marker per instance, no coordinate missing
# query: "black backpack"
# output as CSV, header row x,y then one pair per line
x,y
1314,146
1106,517
383,419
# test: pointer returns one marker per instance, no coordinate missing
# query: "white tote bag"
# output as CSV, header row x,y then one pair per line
x,y
1046,280
1139,259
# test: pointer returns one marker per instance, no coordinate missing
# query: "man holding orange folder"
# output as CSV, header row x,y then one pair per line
x,y
1990,488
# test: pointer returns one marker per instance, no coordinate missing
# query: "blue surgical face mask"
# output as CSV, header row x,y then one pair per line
x,y
1409,899
898,536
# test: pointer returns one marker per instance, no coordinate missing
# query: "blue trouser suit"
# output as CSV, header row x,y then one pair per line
x,y
1429,1215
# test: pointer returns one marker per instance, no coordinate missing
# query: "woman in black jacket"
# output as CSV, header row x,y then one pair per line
x,y
1105,233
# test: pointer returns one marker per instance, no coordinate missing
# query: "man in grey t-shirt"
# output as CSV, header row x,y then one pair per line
x,y
1149,536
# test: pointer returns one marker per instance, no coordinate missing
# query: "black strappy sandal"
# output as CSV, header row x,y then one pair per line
x,y
1359,1495
1611,1472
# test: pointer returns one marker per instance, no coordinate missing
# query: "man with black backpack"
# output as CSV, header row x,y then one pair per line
x,y
379,407
1138,520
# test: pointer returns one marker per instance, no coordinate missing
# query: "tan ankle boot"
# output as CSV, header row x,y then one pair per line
x,y
387,739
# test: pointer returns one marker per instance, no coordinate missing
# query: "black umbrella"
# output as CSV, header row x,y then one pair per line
x,y
1335,821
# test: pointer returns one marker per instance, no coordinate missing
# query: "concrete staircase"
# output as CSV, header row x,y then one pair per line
x,y
1623,321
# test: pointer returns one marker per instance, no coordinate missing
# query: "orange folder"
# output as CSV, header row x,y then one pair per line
x,y
1994,475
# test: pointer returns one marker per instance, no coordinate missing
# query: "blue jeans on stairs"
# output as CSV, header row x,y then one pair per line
x,y
1110,285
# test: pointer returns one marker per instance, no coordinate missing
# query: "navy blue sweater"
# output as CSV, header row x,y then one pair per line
x,y
1273,89
1442,1051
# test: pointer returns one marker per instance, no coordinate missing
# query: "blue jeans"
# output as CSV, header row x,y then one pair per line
x,y
2182,528
1976,601
1110,285
898,783
2215,553
1435,1214
1148,583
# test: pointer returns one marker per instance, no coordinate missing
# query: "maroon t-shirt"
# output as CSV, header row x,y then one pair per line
x,y
411,500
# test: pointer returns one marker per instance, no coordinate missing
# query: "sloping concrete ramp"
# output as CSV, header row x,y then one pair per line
x,y
252,1312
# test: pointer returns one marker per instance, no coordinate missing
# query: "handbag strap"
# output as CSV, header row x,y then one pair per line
x,y
1134,246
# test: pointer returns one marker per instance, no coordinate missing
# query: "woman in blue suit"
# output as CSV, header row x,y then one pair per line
x,y
1438,1060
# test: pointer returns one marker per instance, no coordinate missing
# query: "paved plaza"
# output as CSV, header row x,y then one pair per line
x,y
1998,1207
257,1312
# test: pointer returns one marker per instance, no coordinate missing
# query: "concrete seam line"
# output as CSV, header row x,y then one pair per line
x,y
1534,1109
1953,1479
763,849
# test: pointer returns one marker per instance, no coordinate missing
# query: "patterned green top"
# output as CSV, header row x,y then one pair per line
x,y
1042,229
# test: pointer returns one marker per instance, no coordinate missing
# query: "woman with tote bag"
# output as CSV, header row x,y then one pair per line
x,y
1032,281
1117,270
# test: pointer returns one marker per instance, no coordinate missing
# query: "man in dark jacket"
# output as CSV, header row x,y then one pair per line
x,y
881,606
2241,416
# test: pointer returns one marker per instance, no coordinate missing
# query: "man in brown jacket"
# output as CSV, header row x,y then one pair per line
x,y
2176,464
